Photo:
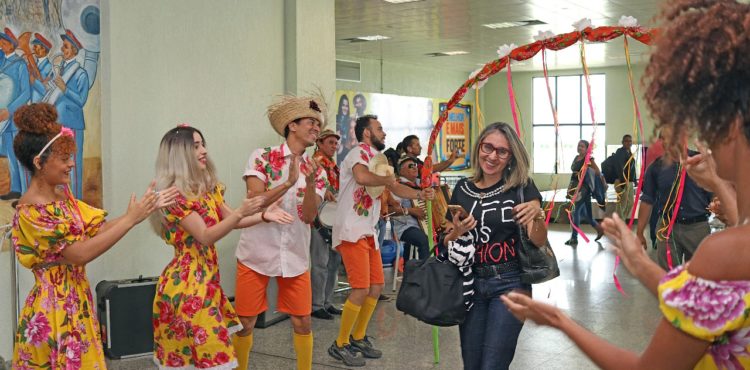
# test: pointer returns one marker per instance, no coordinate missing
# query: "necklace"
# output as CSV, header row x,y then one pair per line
x,y
481,195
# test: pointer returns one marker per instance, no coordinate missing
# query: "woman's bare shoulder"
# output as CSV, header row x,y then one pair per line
x,y
724,255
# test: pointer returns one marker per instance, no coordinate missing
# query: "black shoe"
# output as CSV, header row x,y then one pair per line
x,y
384,298
322,314
333,310
346,354
364,346
599,235
572,242
10,195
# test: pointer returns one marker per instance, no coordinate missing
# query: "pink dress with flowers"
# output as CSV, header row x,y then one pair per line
x,y
58,328
714,311
193,320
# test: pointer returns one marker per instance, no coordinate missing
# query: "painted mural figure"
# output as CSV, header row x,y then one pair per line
x,y
14,76
69,96
40,46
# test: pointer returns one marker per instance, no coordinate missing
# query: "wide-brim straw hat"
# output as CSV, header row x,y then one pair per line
x,y
288,108
379,165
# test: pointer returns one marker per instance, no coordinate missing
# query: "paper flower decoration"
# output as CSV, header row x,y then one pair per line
x,y
504,50
582,24
543,35
627,21
479,84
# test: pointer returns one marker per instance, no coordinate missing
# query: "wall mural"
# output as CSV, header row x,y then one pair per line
x,y
49,52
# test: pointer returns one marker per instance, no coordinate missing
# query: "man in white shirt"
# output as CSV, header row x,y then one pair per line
x,y
282,251
354,237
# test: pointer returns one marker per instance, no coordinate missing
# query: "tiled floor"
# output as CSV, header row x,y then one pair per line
x,y
585,290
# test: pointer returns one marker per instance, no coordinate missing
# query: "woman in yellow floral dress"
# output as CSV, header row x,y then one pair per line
x,y
55,236
193,320
698,81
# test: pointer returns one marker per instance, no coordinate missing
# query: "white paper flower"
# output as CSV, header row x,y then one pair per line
x,y
504,50
479,84
582,24
627,21
543,35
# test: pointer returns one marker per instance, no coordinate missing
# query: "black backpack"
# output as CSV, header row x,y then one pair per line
x,y
609,169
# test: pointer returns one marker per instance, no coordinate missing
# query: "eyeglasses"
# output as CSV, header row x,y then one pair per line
x,y
411,165
488,148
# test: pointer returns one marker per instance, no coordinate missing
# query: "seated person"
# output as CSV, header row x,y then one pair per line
x,y
406,217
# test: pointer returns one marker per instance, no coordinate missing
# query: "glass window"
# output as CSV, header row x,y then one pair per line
x,y
554,152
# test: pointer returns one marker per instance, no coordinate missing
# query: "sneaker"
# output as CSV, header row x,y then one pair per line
x,y
333,310
10,195
384,298
365,347
346,354
572,242
322,314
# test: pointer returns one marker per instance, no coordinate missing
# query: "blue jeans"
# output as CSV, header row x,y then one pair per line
x,y
583,211
490,332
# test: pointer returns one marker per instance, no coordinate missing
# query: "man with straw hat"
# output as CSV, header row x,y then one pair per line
x,y
325,261
282,251
364,174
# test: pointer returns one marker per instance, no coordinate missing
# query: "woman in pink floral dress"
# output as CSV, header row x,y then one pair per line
x,y
55,236
698,81
193,320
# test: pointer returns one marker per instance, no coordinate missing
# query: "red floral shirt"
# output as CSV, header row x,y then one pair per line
x,y
332,170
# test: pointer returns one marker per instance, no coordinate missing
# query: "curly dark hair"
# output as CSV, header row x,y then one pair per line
x,y
698,78
37,125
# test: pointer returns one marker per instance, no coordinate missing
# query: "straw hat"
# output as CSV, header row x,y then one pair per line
x,y
289,108
379,166
326,133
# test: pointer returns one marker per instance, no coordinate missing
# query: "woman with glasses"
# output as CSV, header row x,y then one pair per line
x,y
582,202
499,201
697,82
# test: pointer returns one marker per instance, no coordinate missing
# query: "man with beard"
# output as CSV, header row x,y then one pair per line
x,y
354,237
282,251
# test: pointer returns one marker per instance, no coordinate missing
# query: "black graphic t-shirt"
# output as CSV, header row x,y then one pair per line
x,y
496,233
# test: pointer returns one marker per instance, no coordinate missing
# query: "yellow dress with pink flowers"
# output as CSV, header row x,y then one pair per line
x,y
715,311
58,328
193,319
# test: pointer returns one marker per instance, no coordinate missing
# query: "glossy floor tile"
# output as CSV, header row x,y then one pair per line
x,y
585,290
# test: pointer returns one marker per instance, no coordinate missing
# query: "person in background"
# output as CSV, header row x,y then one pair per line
x,y
582,203
407,217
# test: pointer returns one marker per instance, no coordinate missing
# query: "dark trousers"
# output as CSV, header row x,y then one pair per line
x,y
324,268
583,211
683,243
416,238
490,333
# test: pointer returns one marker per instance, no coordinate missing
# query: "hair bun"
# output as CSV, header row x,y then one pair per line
x,y
37,118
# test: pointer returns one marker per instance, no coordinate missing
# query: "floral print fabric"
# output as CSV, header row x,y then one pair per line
x,y
193,319
58,328
715,311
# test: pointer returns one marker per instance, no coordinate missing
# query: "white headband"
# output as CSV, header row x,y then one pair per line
x,y
63,132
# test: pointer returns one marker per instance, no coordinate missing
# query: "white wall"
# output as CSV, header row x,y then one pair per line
x,y
213,64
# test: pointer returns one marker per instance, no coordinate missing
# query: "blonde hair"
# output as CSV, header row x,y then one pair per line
x,y
518,162
176,165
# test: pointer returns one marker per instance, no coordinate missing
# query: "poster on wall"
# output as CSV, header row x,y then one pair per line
x,y
400,116
456,136
50,53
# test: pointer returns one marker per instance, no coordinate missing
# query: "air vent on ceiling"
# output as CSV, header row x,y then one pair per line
x,y
347,70
447,53
499,25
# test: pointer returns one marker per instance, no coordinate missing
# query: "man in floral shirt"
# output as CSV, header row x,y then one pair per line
x,y
282,251
325,261
354,237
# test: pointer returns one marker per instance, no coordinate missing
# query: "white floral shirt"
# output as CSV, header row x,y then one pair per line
x,y
270,248
357,213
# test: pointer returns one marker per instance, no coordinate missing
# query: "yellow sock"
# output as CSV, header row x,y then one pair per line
x,y
360,328
303,346
348,318
242,347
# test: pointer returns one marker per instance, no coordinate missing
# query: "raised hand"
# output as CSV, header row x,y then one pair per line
x,y
624,242
139,210
166,197
463,226
310,170
274,213
428,194
251,206
525,213
293,170
702,167
523,307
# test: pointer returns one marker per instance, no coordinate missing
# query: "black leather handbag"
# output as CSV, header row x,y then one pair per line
x,y
538,264
432,292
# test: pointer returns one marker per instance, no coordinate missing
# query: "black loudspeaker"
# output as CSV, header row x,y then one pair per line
x,y
125,309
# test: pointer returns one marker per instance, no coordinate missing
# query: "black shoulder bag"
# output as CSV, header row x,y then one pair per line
x,y
432,292
538,264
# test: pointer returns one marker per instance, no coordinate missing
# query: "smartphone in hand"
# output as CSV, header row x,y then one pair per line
x,y
458,212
